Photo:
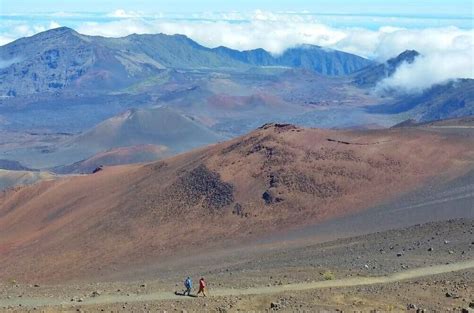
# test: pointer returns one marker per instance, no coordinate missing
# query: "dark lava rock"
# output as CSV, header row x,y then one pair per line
x,y
269,198
98,169
202,186
451,295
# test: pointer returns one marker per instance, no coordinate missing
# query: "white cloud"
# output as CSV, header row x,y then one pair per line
x,y
276,32
428,70
121,13
5,39
116,28
63,14
54,24
20,29
447,53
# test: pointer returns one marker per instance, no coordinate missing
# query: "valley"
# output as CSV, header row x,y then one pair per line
x,y
293,181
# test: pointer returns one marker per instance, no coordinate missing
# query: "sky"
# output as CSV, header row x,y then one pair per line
x,y
442,31
399,7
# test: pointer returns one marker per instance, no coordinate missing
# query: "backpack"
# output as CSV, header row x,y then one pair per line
x,y
188,283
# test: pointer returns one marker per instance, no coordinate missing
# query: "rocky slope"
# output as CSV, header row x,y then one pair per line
x,y
277,177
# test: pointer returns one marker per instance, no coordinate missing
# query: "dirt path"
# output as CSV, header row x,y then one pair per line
x,y
157,296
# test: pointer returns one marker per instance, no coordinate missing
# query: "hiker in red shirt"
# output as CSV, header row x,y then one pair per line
x,y
202,287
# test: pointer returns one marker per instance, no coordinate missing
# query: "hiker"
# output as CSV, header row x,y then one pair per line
x,y
188,284
202,287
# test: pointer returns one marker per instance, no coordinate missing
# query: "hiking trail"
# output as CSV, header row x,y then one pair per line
x,y
218,292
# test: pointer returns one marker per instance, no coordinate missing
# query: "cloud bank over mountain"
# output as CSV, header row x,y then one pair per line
x,y
446,50
429,70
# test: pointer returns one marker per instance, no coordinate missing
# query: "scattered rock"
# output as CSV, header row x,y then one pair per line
x,y
452,295
411,306
95,293
275,305
430,249
143,285
269,198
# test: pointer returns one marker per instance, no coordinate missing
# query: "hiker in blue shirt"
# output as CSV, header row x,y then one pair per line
x,y
188,284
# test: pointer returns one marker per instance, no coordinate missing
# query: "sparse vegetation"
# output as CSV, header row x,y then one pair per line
x,y
328,275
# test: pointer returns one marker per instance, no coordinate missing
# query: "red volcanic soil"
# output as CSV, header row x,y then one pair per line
x,y
274,178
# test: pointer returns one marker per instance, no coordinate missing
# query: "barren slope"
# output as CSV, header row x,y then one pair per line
x,y
116,156
275,178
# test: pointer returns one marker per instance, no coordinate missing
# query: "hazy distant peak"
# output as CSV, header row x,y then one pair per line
x,y
406,56
60,31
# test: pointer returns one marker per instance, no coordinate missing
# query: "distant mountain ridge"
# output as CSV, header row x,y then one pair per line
x,y
452,99
62,58
321,60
